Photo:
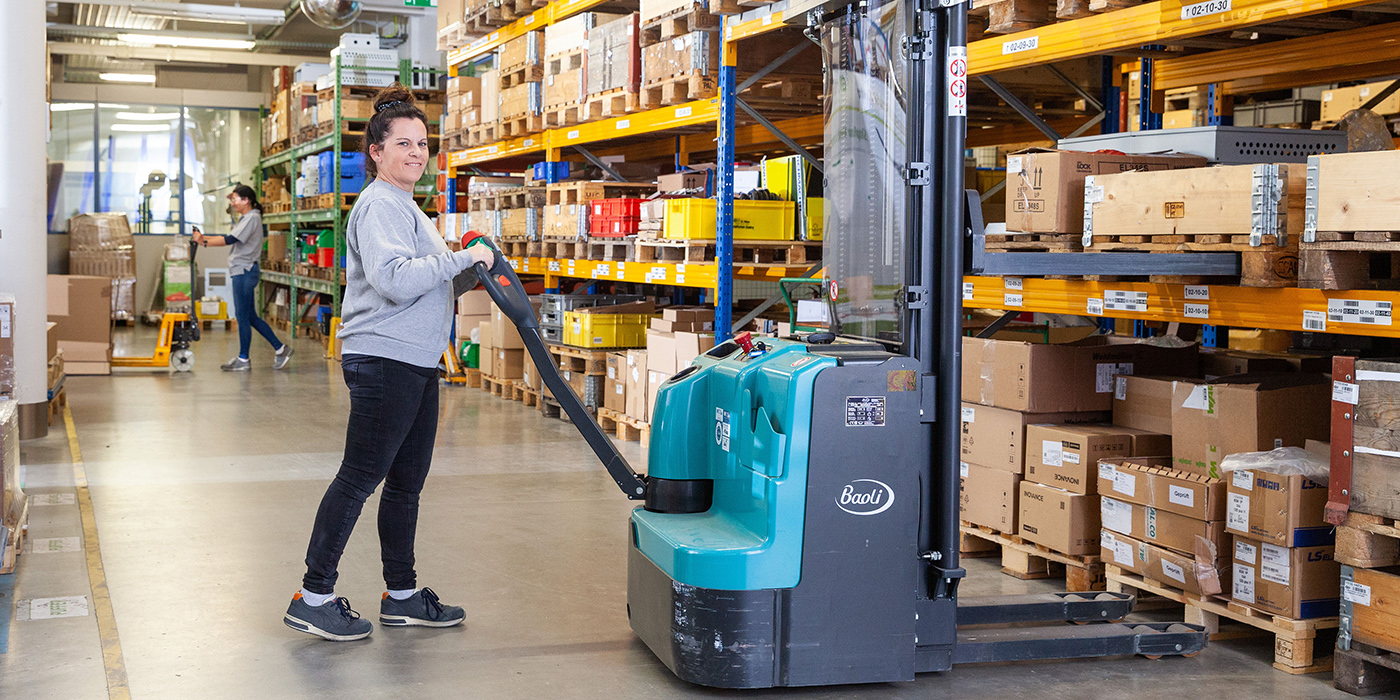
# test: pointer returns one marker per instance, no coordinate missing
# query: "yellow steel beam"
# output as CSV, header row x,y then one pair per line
x,y
1236,307
1149,23
759,25
496,151
1283,81
1334,50
639,124
549,14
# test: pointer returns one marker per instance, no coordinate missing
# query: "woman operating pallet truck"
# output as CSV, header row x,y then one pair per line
x,y
400,282
246,240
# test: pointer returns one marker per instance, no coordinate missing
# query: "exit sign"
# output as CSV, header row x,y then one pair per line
x,y
420,3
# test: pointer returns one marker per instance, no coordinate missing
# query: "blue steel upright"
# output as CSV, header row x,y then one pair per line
x,y
724,207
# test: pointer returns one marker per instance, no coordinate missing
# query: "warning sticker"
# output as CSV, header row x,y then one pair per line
x,y
865,411
722,429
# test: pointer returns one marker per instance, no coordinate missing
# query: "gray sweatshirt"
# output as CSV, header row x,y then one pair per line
x,y
246,241
401,280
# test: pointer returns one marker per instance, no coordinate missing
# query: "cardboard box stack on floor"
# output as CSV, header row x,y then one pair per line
x,y
11,495
1034,425
101,245
81,308
1283,553
473,309
679,336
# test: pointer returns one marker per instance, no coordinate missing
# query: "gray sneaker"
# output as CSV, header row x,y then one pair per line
x,y
422,609
283,356
334,620
237,364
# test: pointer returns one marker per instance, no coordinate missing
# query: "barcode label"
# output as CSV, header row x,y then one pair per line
x,y
1346,392
1123,300
1094,306
967,291
1314,321
1363,311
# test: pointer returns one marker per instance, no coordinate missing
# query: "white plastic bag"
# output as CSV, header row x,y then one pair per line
x,y
1284,461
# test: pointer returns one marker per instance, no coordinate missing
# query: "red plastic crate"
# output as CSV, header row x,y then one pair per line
x,y
613,226
616,207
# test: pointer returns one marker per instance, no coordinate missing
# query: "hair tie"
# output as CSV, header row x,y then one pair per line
x,y
387,105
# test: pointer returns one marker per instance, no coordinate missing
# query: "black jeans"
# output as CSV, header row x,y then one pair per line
x,y
393,422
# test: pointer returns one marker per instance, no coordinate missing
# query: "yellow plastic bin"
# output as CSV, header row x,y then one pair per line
x,y
755,220
588,330
816,211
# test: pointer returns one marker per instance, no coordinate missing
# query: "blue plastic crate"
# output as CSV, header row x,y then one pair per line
x,y
561,170
352,171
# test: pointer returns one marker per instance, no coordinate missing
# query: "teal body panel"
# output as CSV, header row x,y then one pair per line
x,y
745,423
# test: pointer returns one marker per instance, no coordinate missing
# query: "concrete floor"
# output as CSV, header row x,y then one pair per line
x,y
205,485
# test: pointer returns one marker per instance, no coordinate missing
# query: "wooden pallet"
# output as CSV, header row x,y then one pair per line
x,y
276,148
976,547
746,253
559,116
674,90
1293,639
209,324
15,544
734,7
56,405
612,249
585,361
564,248
625,427
564,61
470,377
1261,266
521,125
612,103
276,207
679,22
481,201
1368,541
521,74
1366,670
483,134
522,249
451,37
583,192
520,391
487,18
496,387
1027,560
1352,260
551,408
520,197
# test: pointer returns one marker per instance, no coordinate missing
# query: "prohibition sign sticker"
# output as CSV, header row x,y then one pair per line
x,y
957,81
834,290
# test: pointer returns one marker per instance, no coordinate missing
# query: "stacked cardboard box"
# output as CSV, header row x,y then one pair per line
x,y
637,390
615,383
480,105
473,309
520,71
1337,102
1032,432
463,94
1245,413
11,495
101,245
80,306
1164,524
1283,550
668,351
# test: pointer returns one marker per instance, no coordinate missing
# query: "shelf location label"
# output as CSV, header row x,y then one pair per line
x,y
1363,311
967,291
1204,9
1029,43
1314,321
1012,299
1124,300
1197,292
1013,283
1094,306
1197,310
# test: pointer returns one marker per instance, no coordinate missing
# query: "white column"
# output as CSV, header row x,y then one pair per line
x,y
23,201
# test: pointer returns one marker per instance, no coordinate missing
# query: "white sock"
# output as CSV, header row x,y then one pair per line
x,y
316,600
404,594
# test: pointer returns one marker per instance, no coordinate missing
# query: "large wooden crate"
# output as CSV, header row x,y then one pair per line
x,y
1352,236
1365,427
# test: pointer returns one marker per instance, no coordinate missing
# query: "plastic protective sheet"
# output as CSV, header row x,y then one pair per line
x,y
864,237
1284,461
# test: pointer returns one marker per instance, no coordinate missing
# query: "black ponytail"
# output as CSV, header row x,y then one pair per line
x,y
247,193
393,102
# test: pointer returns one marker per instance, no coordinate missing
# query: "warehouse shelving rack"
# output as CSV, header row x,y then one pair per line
x,y
331,217
1302,61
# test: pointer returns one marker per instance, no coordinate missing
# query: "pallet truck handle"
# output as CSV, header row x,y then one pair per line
x,y
505,289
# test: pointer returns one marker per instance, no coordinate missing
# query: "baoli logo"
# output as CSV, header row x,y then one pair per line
x,y
865,497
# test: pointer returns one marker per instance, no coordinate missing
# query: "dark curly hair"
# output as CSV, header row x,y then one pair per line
x,y
393,102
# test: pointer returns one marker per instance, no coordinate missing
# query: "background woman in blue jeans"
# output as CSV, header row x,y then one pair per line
x,y
246,240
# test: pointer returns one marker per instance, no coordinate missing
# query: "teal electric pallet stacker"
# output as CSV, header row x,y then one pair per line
x,y
799,523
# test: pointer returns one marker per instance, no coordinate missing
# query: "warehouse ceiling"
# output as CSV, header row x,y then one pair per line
x,y
74,28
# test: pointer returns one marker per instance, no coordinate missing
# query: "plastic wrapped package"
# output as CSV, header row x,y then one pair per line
x,y
11,495
123,298
1284,461
1366,131
99,231
864,227
7,347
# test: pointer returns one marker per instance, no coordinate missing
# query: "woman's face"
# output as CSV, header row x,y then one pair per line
x,y
240,204
403,156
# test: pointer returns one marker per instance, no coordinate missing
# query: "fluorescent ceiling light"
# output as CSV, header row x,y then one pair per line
x,y
143,117
140,127
190,42
208,13
109,105
69,106
128,77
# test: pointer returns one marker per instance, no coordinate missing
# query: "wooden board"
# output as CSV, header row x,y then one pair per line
x,y
1375,478
1377,624
1026,560
1357,192
1190,201
563,89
